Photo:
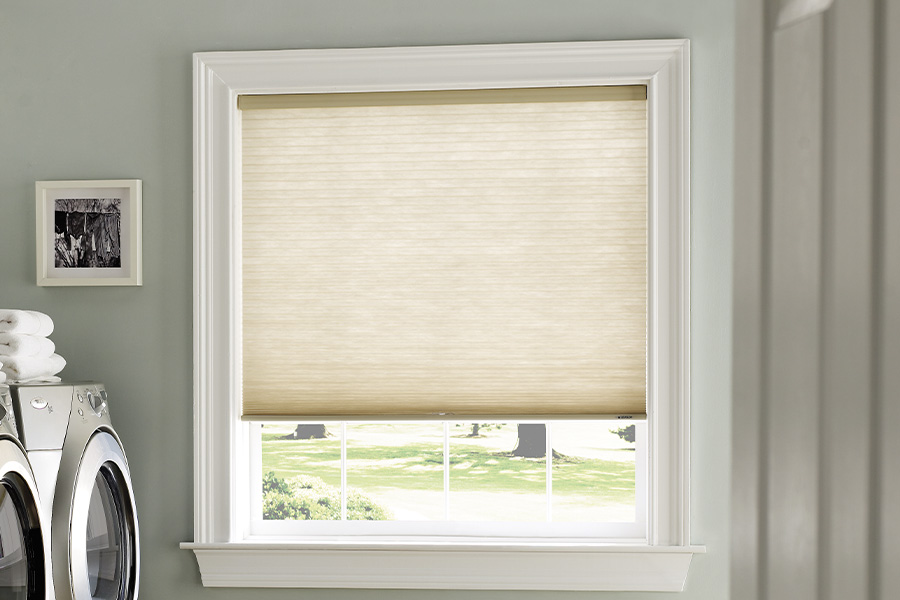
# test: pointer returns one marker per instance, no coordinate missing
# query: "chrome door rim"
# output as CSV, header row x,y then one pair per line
x,y
14,462
103,454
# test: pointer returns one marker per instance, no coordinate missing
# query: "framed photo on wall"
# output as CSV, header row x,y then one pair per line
x,y
88,232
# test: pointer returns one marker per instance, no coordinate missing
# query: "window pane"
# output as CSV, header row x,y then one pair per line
x,y
593,471
498,472
301,467
395,471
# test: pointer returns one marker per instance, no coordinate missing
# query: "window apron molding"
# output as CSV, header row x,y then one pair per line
x,y
228,555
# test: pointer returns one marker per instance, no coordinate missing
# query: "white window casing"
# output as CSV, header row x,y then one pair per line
x,y
226,552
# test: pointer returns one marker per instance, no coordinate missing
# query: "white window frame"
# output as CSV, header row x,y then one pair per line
x,y
227,555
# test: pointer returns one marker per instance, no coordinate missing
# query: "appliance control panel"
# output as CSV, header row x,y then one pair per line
x,y
89,403
42,412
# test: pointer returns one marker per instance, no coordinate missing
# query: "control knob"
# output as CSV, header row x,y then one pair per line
x,y
97,402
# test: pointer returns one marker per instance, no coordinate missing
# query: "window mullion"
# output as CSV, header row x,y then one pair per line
x,y
343,471
549,429
446,471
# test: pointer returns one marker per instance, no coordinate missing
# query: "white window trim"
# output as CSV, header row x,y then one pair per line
x,y
226,555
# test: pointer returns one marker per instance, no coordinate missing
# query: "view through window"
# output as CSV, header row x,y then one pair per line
x,y
451,471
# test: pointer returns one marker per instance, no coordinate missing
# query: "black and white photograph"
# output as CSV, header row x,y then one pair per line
x,y
88,232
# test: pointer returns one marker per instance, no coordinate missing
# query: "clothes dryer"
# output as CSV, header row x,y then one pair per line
x,y
85,489
24,543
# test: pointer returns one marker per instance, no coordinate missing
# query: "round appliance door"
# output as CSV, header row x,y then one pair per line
x,y
104,531
23,554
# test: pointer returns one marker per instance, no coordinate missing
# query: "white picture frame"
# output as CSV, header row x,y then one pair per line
x,y
88,232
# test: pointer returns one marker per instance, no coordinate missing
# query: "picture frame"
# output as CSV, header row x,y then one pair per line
x,y
89,232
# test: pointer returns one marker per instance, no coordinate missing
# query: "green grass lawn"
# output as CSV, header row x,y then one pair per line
x,y
386,459
287,458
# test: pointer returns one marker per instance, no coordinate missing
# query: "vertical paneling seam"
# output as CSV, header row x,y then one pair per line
x,y
769,17
825,277
878,40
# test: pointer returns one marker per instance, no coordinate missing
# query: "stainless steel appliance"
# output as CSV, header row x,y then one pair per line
x,y
84,487
24,543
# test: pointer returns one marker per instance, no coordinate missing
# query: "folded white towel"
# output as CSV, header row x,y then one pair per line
x,y
19,368
25,321
2,375
22,344
50,379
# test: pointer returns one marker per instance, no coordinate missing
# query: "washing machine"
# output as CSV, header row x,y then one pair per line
x,y
24,543
84,487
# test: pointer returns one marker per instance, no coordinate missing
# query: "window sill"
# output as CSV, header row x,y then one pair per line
x,y
449,566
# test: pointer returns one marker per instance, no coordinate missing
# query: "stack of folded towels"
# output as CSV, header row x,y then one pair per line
x,y
26,353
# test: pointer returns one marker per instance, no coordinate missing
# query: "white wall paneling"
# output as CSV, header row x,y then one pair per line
x,y
816,282
749,184
847,294
793,296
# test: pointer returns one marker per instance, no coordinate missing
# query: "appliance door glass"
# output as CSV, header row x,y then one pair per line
x,y
106,537
22,573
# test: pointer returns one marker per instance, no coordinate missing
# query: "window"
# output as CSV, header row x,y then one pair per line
x,y
232,545
473,479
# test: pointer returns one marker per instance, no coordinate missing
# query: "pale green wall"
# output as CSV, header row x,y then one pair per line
x,y
93,89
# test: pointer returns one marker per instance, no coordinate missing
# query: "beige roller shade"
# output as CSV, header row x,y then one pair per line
x,y
423,254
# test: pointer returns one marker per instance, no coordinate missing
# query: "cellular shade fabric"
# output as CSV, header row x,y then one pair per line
x,y
433,254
